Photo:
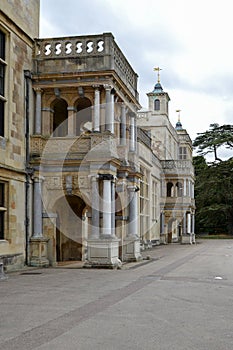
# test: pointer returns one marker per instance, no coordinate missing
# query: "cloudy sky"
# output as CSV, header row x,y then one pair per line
x,y
190,40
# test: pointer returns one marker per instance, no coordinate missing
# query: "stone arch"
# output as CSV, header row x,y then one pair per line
x,y
170,189
179,189
71,211
60,117
84,115
157,104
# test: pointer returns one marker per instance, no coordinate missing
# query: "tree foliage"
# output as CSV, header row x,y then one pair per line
x,y
214,181
210,140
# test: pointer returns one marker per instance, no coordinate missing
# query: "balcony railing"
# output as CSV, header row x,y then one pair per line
x,y
177,166
90,53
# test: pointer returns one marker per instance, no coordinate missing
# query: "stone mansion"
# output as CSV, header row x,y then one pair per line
x,y
85,172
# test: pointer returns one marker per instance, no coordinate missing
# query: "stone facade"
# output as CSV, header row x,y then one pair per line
x,y
86,174
18,26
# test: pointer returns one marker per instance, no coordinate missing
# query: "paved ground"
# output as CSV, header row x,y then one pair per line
x,y
181,300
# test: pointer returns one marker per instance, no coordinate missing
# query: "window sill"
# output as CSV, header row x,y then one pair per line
x,y
3,241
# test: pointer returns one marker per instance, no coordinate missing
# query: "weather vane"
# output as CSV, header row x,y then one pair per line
x,y
157,69
178,111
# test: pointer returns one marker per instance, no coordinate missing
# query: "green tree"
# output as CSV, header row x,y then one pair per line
x,y
211,140
214,181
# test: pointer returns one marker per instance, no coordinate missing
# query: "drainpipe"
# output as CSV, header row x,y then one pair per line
x,y
28,170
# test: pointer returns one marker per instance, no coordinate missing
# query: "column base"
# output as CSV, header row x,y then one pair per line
x,y
131,249
163,239
2,273
38,252
103,253
188,239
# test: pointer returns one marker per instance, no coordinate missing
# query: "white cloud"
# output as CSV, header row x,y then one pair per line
x,y
190,40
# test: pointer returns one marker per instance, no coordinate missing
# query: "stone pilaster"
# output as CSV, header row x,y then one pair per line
x,y
131,249
96,114
38,243
123,125
109,110
71,121
38,111
95,222
132,144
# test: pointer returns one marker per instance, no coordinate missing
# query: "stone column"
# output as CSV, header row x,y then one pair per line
x,y
131,248
109,111
113,209
189,223
71,121
96,114
133,211
193,228
132,145
38,243
95,222
162,229
103,251
37,205
185,188
123,125
107,205
38,111
184,232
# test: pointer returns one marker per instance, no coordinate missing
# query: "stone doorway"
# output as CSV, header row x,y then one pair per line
x,y
69,228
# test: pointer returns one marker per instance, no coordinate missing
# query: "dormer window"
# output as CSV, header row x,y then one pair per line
x,y
157,105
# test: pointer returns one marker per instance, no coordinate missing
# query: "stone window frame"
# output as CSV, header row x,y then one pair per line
x,y
157,104
3,210
144,196
3,65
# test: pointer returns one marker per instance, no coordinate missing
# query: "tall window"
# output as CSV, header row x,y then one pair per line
x,y
144,205
2,209
60,118
2,81
182,153
154,200
157,105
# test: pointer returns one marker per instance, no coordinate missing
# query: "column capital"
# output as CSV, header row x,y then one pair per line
x,y
107,177
38,178
94,177
96,86
133,188
71,108
107,87
38,90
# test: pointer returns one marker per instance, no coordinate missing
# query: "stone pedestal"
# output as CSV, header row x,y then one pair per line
x,y
186,239
103,252
2,273
38,252
131,249
163,239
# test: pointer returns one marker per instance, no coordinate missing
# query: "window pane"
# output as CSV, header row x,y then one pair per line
x,y
1,195
2,69
1,118
1,225
2,45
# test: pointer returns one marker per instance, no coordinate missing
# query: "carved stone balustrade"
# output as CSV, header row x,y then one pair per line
x,y
177,166
92,53
60,147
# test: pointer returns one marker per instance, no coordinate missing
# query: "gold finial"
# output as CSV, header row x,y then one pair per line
x,y
178,111
157,69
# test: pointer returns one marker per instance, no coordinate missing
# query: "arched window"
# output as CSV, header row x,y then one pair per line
x,y
157,105
84,115
60,118
179,189
170,189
